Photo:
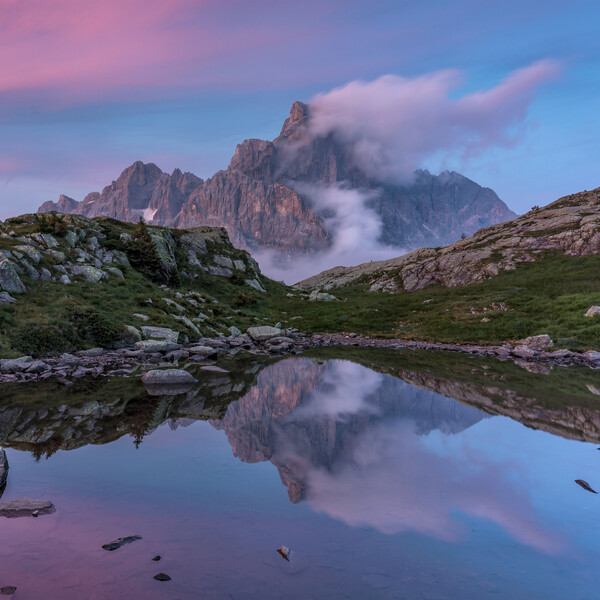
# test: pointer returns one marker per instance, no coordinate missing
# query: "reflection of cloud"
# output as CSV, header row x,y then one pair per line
x,y
343,392
389,480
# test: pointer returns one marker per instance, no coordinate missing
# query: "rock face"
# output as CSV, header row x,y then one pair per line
x,y
262,198
570,225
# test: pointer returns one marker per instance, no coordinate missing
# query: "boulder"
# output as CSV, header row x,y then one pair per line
x,y
9,278
32,253
205,351
254,283
15,365
234,331
168,377
26,507
160,333
140,316
156,346
316,296
91,274
263,333
592,311
537,343
134,332
6,298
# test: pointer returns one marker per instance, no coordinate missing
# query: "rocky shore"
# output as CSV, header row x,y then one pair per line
x,y
533,353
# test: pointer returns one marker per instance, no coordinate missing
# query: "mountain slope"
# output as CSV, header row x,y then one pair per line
x,y
266,197
571,225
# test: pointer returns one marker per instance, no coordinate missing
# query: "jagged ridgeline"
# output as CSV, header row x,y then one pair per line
x,y
69,282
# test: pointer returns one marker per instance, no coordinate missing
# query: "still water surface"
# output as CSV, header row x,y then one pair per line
x,y
380,488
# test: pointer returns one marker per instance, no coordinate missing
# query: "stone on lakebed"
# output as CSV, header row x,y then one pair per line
x,y
26,507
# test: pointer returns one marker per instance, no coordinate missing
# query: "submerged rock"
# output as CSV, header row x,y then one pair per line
x,y
167,377
121,542
162,577
25,507
585,485
3,468
8,590
285,552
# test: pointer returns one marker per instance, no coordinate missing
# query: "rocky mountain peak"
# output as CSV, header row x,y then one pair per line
x,y
296,121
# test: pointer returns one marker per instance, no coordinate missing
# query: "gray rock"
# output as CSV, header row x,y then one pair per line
x,y
592,311
91,274
239,264
37,367
263,333
71,238
235,331
204,351
316,296
254,283
92,352
6,298
156,346
223,261
537,342
65,279
187,322
9,279
142,317
8,590
116,272
136,334
219,271
174,304
167,377
45,275
25,507
15,365
160,333
32,253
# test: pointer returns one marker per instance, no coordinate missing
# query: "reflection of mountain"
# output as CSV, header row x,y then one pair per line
x,y
302,413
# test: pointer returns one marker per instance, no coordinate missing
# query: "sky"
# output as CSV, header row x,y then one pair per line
x,y
88,88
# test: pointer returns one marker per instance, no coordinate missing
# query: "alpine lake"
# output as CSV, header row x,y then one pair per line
x,y
338,473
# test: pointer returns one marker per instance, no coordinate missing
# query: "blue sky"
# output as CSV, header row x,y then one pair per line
x,y
86,90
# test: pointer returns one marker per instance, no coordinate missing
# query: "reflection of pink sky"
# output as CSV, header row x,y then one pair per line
x,y
392,482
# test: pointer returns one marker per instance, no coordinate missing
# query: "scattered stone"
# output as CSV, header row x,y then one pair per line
x,y
89,273
92,352
585,485
162,577
214,368
316,296
592,311
285,552
160,333
121,542
25,507
156,346
263,333
134,332
234,331
6,298
65,279
142,317
485,320
157,558
167,376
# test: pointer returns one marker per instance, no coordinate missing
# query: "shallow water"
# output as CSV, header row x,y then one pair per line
x,y
380,488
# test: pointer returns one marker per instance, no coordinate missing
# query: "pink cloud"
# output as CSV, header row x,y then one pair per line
x,y
393,122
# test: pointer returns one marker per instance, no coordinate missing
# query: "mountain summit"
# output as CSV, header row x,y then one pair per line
x,y
266,197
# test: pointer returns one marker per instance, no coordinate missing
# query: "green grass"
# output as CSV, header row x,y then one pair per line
x,y
550,296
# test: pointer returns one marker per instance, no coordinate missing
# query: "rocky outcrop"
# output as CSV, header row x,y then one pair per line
x,y
262,199
571,225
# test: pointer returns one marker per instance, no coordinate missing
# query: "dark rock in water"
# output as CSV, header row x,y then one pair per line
x,y
585,485
121,542
25,507
157,558
8,590
162,577
285,552
3,468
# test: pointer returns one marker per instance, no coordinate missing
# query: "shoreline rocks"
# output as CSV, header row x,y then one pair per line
x,y
26,507
149,355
